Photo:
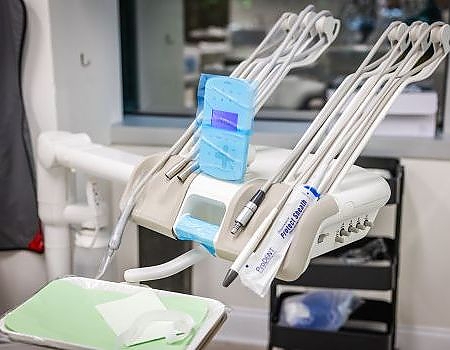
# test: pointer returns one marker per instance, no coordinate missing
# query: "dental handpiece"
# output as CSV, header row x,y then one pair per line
x,y
116,235
119,228
113,246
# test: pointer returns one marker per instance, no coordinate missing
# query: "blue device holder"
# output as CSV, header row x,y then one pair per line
x,y
227,107
190,228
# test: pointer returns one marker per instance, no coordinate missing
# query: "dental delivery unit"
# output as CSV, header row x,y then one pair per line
x,y
268,211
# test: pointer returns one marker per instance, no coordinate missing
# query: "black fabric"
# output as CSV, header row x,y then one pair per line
x,y
19,223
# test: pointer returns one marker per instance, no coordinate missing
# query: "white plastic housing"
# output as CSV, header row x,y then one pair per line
x,y
359,197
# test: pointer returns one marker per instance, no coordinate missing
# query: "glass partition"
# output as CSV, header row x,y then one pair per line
x,y
167,44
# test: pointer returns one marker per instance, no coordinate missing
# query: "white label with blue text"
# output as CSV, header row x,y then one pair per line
x,y
263,265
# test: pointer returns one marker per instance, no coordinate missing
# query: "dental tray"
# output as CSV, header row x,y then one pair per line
x,y
215,316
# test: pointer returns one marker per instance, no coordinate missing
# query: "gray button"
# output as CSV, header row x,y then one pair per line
x,y
360,227
367,223
352,229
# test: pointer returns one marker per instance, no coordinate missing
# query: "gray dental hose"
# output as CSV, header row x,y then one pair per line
x,y
119,228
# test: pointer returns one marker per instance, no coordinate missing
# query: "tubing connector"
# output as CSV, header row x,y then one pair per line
x,y
183,175
247,213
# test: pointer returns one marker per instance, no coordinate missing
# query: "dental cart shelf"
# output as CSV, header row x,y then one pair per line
x,y
373,325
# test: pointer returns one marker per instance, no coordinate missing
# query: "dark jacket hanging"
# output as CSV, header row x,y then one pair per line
x,y
19,222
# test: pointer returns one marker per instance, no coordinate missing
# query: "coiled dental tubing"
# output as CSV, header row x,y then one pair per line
x,y
395,52
439,35
353,115
335,139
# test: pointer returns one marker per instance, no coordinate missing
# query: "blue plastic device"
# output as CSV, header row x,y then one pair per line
x,y
193,229
226,127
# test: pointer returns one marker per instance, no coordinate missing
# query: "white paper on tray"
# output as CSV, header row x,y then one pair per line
x,y
142,317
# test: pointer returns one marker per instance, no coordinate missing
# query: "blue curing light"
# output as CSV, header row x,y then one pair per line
x,y
226,127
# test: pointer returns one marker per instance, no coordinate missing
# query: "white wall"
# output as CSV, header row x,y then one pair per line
x,y
425,259
58,91
88,98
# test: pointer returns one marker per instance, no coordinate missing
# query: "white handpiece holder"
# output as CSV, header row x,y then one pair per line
x,y
213,204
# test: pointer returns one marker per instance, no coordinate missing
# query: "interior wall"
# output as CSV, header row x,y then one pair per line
x,y
61,89
86,55
424,284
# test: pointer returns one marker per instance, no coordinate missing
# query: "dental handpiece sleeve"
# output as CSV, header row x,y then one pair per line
x,y
263,264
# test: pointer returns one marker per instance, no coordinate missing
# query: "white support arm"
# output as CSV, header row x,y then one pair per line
x,y
58,153
167,269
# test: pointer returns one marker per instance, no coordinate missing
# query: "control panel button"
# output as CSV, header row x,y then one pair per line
x,y
367,223
352,229
344,232
359,226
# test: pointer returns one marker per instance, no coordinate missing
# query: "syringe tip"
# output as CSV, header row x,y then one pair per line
x,y
229,278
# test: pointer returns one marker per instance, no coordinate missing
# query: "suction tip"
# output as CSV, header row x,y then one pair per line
x,y
229,278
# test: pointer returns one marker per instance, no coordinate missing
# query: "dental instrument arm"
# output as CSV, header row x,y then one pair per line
x,y
250,208
351,120
353,149
317,181
353,114
348,114
321,25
